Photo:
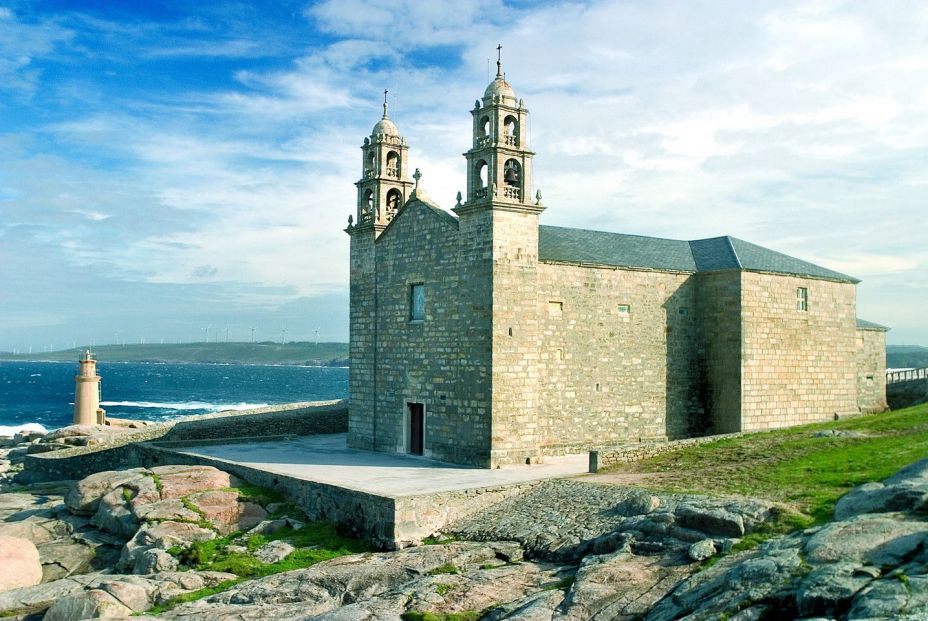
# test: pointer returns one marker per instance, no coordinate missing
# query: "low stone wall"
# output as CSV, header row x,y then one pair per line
x,y
308,418
355,512
388,522
610,456
905,394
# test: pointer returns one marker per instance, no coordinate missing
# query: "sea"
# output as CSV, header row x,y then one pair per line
x,y
40,395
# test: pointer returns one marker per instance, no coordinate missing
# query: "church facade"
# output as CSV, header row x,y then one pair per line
x,y
484,338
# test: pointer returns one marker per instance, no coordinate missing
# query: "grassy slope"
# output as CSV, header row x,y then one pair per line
x,y
244,353
791,466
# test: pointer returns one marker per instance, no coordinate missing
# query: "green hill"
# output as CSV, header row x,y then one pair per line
x,y
906,356
316,354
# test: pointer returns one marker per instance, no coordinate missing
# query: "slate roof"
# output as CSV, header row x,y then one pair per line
x,y
566,245
863,324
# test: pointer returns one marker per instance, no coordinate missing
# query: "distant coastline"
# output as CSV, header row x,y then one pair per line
x,y
298,353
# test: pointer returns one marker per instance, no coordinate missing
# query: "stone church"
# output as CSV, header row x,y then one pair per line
x,y
484,338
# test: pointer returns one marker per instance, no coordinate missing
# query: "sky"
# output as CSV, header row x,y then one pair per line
x,y
180,170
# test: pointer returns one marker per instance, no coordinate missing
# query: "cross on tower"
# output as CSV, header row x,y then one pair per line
x,y
499,60
417,175
385,91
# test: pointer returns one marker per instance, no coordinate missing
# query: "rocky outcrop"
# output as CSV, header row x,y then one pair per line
x,y
329,585
621,586
907,490
20,562
873,564
565,520
158,588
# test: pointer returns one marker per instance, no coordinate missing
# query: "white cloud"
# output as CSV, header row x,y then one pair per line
x,y
801,126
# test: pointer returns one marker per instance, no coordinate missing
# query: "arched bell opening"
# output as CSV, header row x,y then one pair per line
x,y
483,131
481,174
511,131
512,179
367,207
370,168
393,164
394,200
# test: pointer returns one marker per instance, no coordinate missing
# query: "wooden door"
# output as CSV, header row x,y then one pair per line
x,y
416,427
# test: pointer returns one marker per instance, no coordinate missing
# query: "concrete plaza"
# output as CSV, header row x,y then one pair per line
x,y
327,459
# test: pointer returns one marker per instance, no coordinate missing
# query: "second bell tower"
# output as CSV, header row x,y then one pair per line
x,y
499,164
383,187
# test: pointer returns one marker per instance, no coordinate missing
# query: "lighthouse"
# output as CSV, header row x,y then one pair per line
x,y
87,392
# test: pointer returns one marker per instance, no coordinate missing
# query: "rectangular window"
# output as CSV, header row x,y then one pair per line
x,y
802,299
625,310
555,309
417,302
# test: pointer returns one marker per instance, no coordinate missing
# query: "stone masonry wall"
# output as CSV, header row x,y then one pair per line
x,y
516,434
719,350
611,377
291,419
798,366
871,370
361,340
442,361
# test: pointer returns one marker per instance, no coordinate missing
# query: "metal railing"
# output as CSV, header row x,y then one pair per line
x,y
906,375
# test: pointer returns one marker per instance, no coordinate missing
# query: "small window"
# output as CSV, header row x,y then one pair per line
x,y
599,388
417,302
558,354
684,312
625,310
802,299
555,309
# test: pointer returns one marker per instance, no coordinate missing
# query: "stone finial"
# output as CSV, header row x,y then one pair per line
x,y
350,221
385,91
476,103
499,60
417,175
538,197
459,197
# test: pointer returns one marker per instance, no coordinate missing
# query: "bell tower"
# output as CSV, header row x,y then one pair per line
x,y
383,187
498,229
499,164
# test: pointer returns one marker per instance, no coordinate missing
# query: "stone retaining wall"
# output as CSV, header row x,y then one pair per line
x,y
388,522
356,513
606,457
308,418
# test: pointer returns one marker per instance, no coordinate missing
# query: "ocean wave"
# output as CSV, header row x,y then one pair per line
x,y
188,405
12,430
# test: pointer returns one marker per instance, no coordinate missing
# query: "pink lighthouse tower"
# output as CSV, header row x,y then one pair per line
x,y
87,409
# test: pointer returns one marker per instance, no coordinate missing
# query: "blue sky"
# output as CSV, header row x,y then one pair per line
x,y
171,166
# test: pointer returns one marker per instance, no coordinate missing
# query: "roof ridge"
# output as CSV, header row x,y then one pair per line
x,y
734,252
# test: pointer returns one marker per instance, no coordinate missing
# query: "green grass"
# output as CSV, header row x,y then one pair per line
x,y
192,596
416,615
803,474
562,584
314,543
444,569
256,494
443,589
439,541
